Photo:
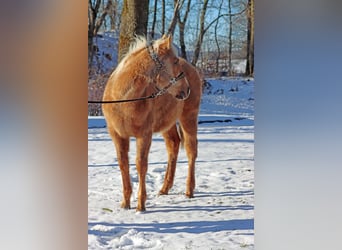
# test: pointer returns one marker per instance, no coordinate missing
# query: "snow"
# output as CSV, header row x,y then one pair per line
x,y
106,56
221,216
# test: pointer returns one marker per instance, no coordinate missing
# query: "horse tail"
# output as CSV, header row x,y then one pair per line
x,y
181,135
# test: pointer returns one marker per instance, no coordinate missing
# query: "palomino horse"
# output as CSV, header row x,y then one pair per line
x,y
144,70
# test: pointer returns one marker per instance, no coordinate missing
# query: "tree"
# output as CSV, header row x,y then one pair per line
x,y
230,44
154,18
250,39
203,30
181,25
218,56
163,17
177,5
113,15
134,19
97,13
200,34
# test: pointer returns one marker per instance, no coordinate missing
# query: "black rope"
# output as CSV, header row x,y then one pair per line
x,y
154,95
129,100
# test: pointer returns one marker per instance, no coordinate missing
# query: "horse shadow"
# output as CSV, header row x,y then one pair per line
x,y
215,208
192,227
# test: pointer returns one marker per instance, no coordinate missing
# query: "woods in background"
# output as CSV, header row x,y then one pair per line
x,y
211,34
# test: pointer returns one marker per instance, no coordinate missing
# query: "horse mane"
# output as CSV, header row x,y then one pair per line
x,y
139,43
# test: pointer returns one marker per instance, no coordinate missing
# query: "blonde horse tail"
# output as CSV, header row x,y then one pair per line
x,y
181,135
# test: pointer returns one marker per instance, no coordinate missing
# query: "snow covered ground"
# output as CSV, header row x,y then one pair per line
x,y
221,214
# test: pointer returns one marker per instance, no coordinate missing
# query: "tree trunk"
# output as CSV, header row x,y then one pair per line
x,y
163,17
217,42
97,13
92,15
113,15
172,27
250,39
154,18
230,45
200,35
181,25
105,12
134,19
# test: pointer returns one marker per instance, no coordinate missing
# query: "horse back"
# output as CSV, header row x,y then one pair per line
x,y
195,79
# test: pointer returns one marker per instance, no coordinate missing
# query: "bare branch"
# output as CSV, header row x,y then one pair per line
x,y
223,15
105,12
201,33
178,5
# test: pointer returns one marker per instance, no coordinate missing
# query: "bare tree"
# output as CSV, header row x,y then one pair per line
x,y
106,11
201,33
177,5
163,17
154,18
134,19
218,56
97,13
250,38
93,10
181,25
113,15
203,30
230,44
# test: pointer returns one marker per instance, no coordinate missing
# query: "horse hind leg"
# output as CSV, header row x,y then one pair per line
x,y
172,142
189,132
122,148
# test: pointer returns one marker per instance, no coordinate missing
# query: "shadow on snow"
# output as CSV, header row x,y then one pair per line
x,y
164,163
175,227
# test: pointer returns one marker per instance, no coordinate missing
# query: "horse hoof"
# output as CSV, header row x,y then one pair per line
x,y
189,195
140,209
163,192
125,206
